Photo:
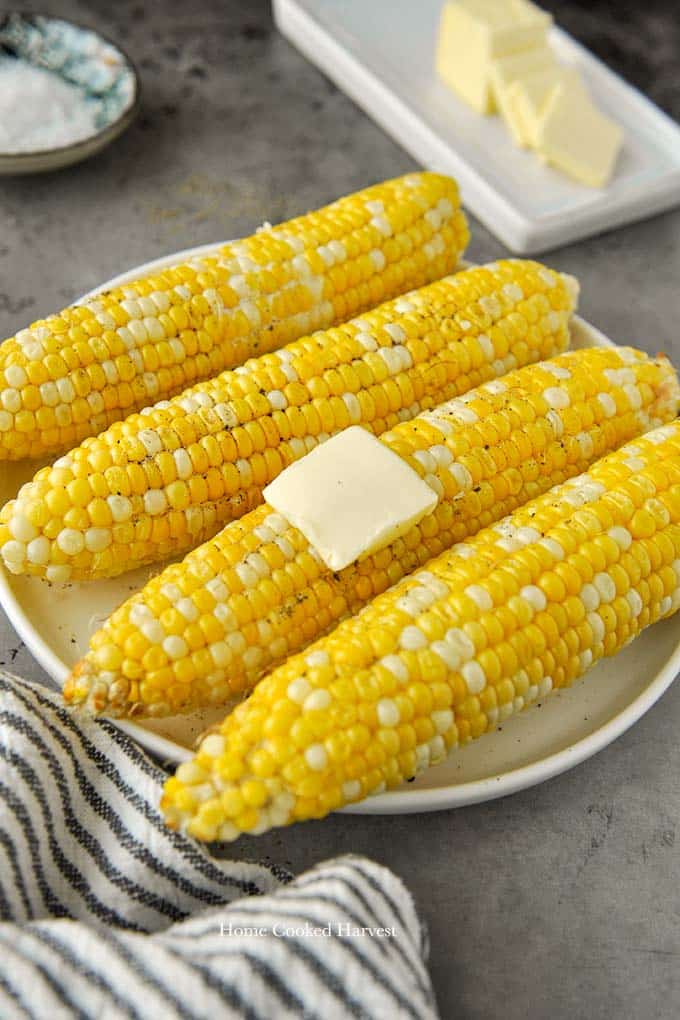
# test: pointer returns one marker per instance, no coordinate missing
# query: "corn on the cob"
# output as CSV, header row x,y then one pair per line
x,y
524,607
73,374
205,629
167,479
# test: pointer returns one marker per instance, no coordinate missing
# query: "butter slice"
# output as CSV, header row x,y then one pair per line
x,y
350,497
526,100
505,71
577,139
474,32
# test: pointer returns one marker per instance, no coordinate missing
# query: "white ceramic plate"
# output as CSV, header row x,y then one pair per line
x,y
382,54
55,624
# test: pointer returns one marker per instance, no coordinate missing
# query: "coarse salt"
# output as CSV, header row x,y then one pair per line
x,y
39,110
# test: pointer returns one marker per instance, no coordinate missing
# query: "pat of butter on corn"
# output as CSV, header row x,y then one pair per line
x,y
350,497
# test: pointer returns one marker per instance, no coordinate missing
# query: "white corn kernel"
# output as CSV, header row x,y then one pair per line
x,y
155,502
534,596
461,642
605,587
378,259
252,657
98,539
317,658
634,601
545,686
316,757
597,626
479,596
590,597
388,712
448,653
394,665
15,376
382,224
298,690
461,475
247,576
150,440
152,631
175,647
221,654
412,638
38,551
607,403
556,397
474,677
559,371
187,608
213,745
21,528
139,613
621,536
120,507
443,720
218,589
71,541
14,552
317,701
11,400
437,750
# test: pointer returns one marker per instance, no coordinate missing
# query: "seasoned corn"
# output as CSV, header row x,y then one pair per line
x,y
496,623
206,629
167,479
71,375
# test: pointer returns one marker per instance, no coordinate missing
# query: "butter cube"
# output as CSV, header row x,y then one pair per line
x,y
350,497
474,32
526,99
505,71
577,139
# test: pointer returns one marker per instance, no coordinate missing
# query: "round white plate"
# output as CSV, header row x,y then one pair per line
x,y
55,623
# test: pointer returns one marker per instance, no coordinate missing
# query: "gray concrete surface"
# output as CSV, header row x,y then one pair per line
x,y
560,902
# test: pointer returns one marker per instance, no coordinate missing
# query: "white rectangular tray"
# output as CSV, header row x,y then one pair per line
x,y
381,52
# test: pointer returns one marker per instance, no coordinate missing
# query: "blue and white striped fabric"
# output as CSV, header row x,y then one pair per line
x,y
106,913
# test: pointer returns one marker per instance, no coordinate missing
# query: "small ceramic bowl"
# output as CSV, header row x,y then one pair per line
x,y
81,58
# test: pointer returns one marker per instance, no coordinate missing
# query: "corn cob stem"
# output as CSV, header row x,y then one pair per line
x,y
165,480
207,628
523,608
73,374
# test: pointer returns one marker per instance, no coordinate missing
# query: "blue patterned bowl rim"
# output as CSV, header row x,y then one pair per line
x,y
81,55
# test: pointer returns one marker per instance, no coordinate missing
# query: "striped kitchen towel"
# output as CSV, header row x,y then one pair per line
x,y
106,913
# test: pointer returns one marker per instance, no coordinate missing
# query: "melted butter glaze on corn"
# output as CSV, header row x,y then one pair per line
x,y
166,480
207,628
523,608
73,374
